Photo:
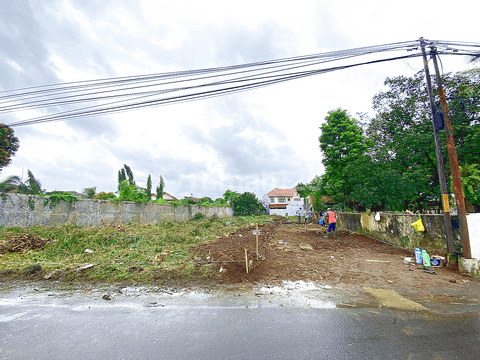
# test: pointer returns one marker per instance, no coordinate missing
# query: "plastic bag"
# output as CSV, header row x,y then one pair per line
x,y
377,216
418,225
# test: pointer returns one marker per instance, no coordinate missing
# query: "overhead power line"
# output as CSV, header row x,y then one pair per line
x,y
70,100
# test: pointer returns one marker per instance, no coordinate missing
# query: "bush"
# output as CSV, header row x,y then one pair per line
x,y
105,196
131,192
246,204
198,216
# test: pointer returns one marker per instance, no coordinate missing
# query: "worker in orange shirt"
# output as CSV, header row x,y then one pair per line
x,y
332,222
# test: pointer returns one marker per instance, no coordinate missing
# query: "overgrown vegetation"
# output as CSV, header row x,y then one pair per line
x,y
134,252
388,162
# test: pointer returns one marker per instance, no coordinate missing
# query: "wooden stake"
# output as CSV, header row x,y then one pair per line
x,y
257,242
246,261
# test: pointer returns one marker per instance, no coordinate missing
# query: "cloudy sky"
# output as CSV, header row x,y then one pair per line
x,y
250,141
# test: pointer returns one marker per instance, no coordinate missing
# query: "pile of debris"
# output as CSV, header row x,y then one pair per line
x,y
22,243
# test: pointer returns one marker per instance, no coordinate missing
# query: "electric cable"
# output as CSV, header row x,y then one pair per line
x,y
119,94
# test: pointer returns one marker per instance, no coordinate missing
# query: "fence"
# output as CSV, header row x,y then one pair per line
x,y
27,210
397,229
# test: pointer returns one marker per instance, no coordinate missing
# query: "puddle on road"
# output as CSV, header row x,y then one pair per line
x,y
299,293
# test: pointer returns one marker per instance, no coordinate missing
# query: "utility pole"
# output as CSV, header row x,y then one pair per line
x,y
454,166
438,152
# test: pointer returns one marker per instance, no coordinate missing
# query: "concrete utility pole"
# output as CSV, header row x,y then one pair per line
x,y
438,152
454,166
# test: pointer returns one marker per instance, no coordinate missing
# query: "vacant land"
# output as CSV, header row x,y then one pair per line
x,y
349,259
211,251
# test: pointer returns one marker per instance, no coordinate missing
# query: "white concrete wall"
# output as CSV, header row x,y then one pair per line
x,y
473,221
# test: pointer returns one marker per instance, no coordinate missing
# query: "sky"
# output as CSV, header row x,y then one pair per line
x,y
250,141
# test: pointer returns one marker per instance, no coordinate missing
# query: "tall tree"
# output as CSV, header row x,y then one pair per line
x,y
129,172
121,177
160,188
149,186
343,144
34,185
402,135
8,145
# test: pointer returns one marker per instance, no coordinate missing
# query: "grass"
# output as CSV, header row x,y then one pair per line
x,y
134,252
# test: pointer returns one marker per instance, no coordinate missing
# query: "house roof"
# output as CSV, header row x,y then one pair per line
x,y
167,195
283,192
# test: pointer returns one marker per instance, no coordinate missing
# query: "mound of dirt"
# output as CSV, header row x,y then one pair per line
x,y
22,243
348,259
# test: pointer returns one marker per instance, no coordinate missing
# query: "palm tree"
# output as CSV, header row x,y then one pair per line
x,y
11,183
31,186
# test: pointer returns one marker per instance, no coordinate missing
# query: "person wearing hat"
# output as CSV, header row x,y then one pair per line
x,y
332,222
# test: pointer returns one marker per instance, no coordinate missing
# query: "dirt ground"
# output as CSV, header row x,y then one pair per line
x,y
347,259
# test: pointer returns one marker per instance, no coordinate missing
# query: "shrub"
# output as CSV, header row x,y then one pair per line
x,y
105,196
198,216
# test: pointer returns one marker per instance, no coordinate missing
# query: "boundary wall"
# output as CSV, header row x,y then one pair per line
x,y
397,229
27,210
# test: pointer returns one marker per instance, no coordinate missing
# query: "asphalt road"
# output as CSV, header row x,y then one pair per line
x,y
137,324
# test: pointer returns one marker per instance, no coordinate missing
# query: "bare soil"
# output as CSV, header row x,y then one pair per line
x,y
347,259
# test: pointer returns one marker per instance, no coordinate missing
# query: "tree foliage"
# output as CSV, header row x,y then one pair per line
x,y
131,192
343,145
388,162
160,188
89,192
245,204
149,186
8,145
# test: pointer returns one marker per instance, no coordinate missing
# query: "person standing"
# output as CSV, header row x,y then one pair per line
x,y
308,218
299,214
332,222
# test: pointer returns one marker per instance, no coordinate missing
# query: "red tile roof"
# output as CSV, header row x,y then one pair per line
x,y
283,192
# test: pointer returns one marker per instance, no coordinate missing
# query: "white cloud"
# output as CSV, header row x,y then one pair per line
x,y
251,141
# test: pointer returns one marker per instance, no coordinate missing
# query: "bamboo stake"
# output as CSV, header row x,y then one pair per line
x,y
257,242
246,261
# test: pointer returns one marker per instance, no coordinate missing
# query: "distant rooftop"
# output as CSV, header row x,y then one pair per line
x,y
283,192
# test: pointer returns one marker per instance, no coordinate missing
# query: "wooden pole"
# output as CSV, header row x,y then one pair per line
x,y
438,153
454,166
257,242
246,261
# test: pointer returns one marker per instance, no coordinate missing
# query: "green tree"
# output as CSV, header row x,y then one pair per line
x,y
130,192
129,173
471,184
312,189
33,185
11,183
246,204
89,192
230,196
121,177
402,136
149,186
8,145
160,188
342,143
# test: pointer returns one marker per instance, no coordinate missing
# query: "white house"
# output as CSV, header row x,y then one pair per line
x,y
283,201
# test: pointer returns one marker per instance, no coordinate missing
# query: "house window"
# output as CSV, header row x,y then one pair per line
x,y
281,199
272,200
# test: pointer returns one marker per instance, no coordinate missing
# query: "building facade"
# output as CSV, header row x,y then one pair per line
x,y
284,201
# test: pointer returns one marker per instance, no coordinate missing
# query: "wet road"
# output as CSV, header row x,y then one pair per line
x,y
136,324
